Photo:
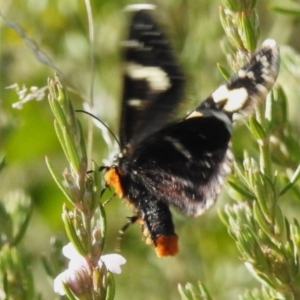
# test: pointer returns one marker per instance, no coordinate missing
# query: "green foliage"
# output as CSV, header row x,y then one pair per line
x,y
191,292
85,223
16,279
267,242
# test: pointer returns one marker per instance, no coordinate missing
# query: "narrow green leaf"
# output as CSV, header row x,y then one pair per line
x,y
111,287
265,279
291,183
279,221
2,163
249,37
47,265
223,217
284,10
204,292
239,170
223,71
82,143
229,24
103,225
6,226
72,153
280,114
56,109
23,227
296,233
223,17
60,136
58,182
259,217
184,293
71,232
256,129
69,293
252,4
232,5
240,189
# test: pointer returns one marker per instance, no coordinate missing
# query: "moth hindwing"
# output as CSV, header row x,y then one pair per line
x,y
181,163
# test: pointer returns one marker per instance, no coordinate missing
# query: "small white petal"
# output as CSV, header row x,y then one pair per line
x,y
58,283
70,252
71,278
112,262
79,263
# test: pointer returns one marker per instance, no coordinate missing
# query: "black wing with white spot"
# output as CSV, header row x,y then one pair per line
x,y
153,81
185,163
250,85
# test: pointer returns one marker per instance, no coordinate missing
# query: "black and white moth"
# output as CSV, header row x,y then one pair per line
x,y
180,163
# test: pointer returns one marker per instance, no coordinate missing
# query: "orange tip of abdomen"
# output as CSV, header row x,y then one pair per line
x,y
166,245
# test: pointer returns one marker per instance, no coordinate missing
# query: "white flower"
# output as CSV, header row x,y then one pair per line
x,y
112,262
78,275
76,281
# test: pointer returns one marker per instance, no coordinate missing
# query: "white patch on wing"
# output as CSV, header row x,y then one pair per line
x,y
227,168
242,74
220,94
234,99
267,78
264,61
262,89
269,43
132,44
140,6
194,114
156,77
220,179
134,102
209,203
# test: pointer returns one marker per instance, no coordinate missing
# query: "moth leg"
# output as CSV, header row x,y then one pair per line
x,y
100,169
109,199
131,220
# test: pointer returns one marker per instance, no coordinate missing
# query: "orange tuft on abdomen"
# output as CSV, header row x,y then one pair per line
x,y
112,178
166,245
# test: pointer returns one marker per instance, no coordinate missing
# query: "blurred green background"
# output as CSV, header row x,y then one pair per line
x,y
60,30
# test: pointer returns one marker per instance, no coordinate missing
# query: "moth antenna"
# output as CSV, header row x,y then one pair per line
x,y
99,120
